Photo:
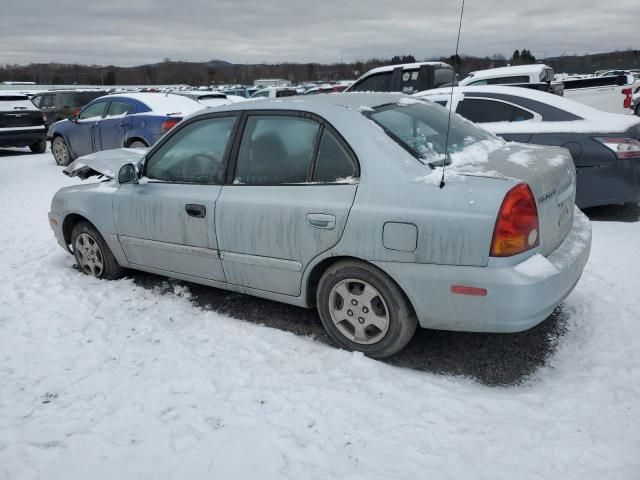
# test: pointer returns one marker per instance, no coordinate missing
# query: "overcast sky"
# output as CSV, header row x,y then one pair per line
x,y
133,32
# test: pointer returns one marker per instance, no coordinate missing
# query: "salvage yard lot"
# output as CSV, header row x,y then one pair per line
x,y
149,378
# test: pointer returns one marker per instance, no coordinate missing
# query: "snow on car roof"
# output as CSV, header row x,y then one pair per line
x,y
500,71
594,120
163,103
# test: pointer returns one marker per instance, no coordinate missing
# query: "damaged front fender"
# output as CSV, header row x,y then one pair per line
x,y
105,163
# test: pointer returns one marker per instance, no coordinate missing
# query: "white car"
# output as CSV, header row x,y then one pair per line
x,y
275,92
609,94
211,99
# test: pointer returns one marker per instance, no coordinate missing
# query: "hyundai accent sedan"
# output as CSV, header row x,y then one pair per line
x,y
337,202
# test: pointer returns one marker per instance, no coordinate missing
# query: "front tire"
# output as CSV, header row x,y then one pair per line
x,y
92,253
138,144
363,310
38,147
60,151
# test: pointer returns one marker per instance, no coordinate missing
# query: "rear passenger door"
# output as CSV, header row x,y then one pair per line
x,y
291,185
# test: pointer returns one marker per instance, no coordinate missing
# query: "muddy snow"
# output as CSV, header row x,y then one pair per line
x,y
107,380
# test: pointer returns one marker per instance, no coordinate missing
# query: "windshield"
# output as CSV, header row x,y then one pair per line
x,y
421,128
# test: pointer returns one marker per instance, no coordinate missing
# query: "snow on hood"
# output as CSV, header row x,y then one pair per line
x,y
106,162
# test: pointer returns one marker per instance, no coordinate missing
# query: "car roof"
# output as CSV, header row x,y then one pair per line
x,y
502,71
405,66
161,103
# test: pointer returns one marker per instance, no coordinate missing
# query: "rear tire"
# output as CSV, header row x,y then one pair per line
x,y
92,253
60,151
38,147
362,309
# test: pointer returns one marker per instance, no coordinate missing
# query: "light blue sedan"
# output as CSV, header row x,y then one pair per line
x,y
336,202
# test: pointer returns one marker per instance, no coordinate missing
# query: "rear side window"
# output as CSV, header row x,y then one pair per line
x,y
410,79
36,100
443,76
119,109
380,82
261,94
286,93
276,150
195,154
334,163
487,111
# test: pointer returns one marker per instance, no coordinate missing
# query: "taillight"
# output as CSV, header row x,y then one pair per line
x,y
169,124
624,148
517,229
75,112
628,93
44,117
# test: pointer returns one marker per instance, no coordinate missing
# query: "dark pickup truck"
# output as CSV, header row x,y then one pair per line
x,y
406,78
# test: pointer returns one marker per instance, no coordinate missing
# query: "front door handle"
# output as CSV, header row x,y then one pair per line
x,y
321,220
124,124
194,210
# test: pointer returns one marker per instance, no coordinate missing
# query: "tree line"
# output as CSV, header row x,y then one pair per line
x,y
219,72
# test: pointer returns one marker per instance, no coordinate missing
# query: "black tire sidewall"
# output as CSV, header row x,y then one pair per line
x,y
402,322
111,270
38,147
60,139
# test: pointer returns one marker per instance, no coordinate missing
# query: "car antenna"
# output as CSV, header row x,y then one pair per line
x,y
455,58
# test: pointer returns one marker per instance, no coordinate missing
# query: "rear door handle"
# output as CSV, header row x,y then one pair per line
x,y
321,220
194,210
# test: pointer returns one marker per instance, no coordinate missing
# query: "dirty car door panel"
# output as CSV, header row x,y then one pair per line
x,y
167,222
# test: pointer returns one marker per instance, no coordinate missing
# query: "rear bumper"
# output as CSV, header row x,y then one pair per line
x,y
611,184
21,138
518,296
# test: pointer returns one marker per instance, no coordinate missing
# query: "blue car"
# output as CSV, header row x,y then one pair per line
x,y
134,120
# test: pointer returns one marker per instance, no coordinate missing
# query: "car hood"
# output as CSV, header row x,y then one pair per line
x,y
106,163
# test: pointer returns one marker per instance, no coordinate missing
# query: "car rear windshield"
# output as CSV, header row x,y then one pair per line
x,y
421,128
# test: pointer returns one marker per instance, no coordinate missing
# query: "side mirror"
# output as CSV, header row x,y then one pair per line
x,y
128,173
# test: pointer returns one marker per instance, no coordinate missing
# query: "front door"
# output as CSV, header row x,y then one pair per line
x,y
166,222
293,186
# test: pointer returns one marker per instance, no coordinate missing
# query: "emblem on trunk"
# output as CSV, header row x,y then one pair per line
x,y
543,198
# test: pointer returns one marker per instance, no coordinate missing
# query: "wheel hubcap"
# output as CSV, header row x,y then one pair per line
x,y
60,151
89,255
358,311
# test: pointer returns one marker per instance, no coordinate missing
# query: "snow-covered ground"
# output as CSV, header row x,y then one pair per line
x,y
110,380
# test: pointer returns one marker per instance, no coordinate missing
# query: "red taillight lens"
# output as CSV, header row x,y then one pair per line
x,y
517,229
628,93
75,112
624,148
169,124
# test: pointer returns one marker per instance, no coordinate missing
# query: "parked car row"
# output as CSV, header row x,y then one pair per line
x,y
305,203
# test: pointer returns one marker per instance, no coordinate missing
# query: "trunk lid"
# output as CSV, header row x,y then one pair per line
x,y
549,172
106,162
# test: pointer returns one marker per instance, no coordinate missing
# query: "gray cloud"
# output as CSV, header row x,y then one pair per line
x,y
143,31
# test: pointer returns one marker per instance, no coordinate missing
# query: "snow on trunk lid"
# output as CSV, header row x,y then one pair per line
x,y
550,173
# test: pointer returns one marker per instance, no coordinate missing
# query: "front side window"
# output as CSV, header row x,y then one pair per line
x,y
421,128
380,82
194,154
119,109
489,111
334,163
508,80
261,94
286,93
93,111
276,150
